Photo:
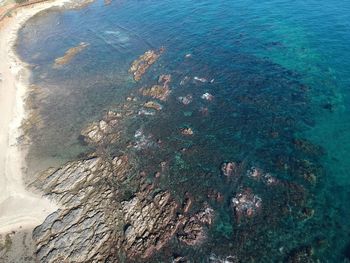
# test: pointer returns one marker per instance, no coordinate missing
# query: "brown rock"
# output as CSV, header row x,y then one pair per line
x,y
153,105
194,230
157,92
70,54
187,131
139,66
165,79
150,224
106,130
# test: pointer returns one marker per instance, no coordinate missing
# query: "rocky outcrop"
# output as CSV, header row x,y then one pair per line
x,y
187,131
149,224
194,230
160,91
153,105
140,66
84,229
105,130
246,204
98,222
156,92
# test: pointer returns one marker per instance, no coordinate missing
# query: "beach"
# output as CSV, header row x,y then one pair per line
x,y
19,208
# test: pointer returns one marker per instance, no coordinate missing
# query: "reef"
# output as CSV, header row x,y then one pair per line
x,y
70,54
140,66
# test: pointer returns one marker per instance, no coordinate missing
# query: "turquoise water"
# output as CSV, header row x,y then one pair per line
x,y
281,103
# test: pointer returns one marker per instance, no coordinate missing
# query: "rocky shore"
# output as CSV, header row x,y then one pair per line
x,y
99,219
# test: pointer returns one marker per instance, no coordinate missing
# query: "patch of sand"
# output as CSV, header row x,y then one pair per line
x,y
18,207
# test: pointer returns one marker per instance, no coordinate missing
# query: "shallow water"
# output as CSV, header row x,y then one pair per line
x,y
280,97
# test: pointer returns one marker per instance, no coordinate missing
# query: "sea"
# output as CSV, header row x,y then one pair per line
x,y
277,78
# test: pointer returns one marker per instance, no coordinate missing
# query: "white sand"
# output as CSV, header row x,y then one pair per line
x,y
18,207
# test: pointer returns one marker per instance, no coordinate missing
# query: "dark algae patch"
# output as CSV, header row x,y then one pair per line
x,y
273,173
181,136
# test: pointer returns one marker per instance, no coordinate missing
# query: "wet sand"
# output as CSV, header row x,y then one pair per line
x,y
19,208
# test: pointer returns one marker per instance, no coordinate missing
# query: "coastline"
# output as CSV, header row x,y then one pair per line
x,y
19,208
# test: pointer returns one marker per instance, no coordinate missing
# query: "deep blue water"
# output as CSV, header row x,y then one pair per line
x,y
281,102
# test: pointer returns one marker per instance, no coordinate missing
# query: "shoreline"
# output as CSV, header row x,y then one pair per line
x,y
19,208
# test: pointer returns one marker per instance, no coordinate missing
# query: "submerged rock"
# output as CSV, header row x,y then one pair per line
x,y
229,169
222,259
105,130
165,79
270,180
184,81
207,96
216,195
185,100
140,65
193,233
206,215
70,54
254,172
204,111
259,175
246,204
301,255
308,147
143,141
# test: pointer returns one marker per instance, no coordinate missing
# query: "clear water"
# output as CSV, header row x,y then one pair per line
x,y
281,73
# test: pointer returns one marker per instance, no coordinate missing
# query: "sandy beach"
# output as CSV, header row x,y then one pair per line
x,y
19,208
